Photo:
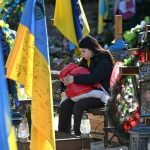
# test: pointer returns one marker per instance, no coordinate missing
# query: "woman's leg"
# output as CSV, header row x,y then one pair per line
x,y
65,113
81,106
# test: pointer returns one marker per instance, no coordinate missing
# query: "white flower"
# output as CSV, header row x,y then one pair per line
x,y
143,24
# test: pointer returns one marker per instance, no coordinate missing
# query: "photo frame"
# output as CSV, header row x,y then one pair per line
x,y
145,98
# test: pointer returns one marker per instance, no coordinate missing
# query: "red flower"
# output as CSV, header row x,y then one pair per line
x,y
131,122
140,54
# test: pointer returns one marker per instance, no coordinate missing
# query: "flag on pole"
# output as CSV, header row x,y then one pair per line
x,y
28,64
70,19
102,14
126,8
7,134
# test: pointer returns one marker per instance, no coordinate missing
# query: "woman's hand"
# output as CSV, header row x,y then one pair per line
x,y
67,80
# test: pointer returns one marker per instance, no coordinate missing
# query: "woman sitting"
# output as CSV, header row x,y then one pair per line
x,y
100,63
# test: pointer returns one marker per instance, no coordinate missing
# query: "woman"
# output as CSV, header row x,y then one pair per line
x,y
100,63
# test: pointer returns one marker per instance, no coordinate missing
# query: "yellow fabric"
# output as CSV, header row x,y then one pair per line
x,y
2,2
101,23
77,51
20,61
28,66
88,62
12,140
63,20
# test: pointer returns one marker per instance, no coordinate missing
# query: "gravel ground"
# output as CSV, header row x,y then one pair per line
x,y
99,145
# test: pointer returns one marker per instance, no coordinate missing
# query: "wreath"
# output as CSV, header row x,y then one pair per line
x,y
123,107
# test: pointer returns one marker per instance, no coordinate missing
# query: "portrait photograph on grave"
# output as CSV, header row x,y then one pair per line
x,y
145,98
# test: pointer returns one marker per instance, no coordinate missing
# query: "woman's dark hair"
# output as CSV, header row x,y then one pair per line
x,y
92,44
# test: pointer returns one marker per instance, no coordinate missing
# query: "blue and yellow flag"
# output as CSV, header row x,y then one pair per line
x,y
70,19
7,134
28,64
102,14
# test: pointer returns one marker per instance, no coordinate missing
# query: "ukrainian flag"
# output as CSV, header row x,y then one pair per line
x,y
28,64
7,134
70,19
102,14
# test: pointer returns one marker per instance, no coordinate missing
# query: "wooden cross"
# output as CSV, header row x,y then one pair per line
x,y
118,35
118,27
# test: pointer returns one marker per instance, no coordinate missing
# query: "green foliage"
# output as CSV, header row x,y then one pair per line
x,y
12,12
131,36
129,61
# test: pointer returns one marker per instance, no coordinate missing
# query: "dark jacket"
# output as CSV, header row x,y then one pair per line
x,y
101,68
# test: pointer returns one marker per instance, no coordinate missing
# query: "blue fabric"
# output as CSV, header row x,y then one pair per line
x,y
71,47
76,13
119,50
119,44
102,7
35,21
5,122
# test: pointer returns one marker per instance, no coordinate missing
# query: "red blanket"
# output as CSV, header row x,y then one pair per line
x,y
76,89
